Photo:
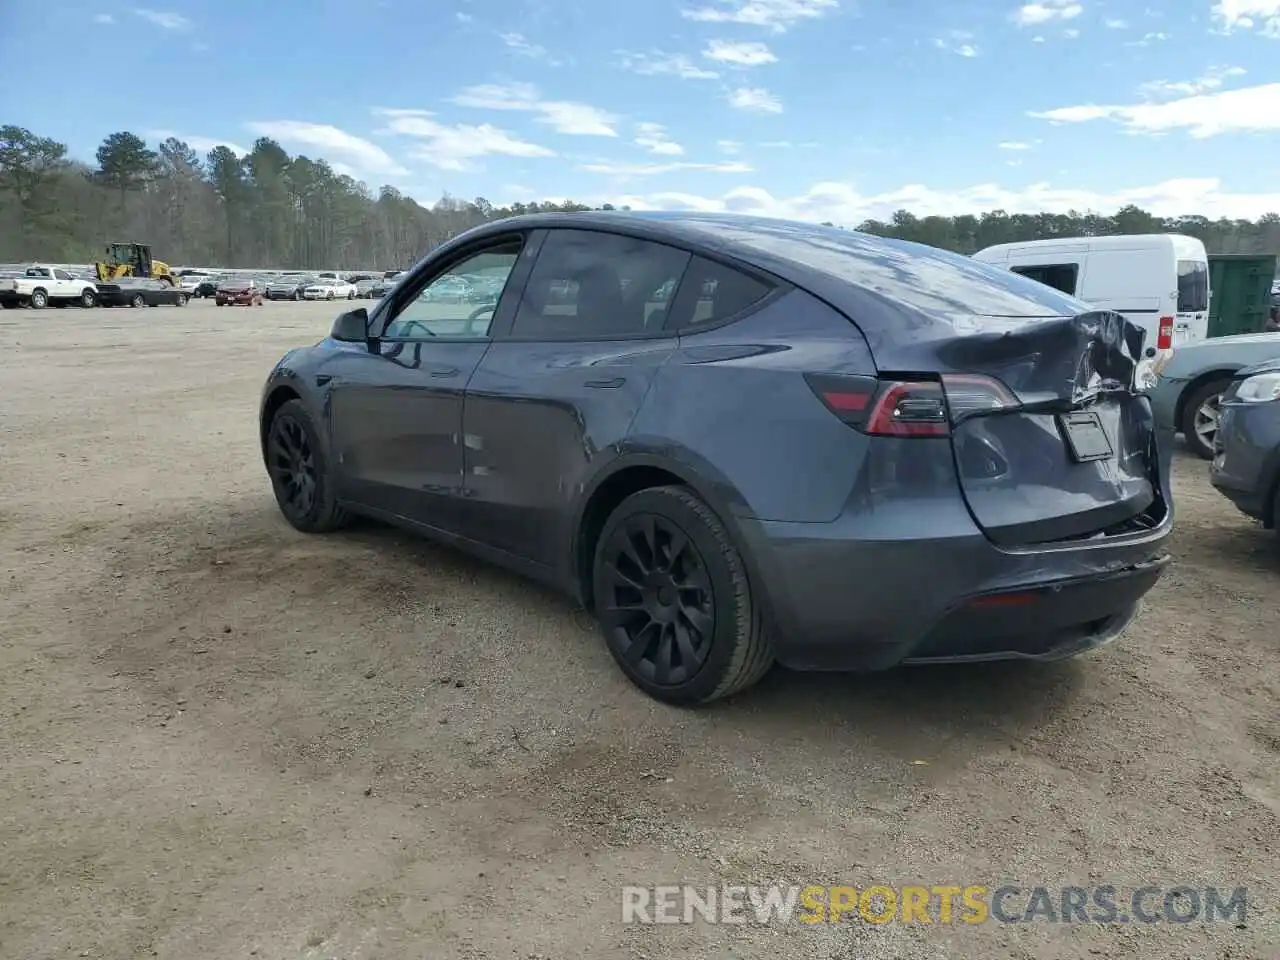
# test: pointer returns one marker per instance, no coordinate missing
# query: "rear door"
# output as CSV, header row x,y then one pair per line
x,y
1192,324
556,394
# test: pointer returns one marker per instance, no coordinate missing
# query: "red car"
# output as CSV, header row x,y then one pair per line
x,y
239,291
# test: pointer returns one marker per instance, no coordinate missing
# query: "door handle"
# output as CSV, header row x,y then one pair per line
x,y
322,379
607,384
445,372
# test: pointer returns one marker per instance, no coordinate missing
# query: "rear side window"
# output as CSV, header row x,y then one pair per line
x,y
712,292
1060,276
590,285
1193,286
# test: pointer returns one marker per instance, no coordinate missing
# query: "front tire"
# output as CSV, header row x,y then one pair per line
x,y
138,301
299,471
1200,417
87,298
329,296
674,602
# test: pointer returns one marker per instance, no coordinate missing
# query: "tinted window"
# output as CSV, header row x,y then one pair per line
x,y
711,292
590,285
926,278
1060,276
450,305
1193,286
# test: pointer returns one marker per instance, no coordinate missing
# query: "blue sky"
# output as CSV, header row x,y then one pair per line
x,y
822,109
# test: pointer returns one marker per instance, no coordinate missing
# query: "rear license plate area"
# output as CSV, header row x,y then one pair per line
x,y
1086,439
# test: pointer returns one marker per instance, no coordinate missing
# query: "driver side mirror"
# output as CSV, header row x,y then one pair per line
x,y
351,327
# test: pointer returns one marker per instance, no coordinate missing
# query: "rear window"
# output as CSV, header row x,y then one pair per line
x,y
1060,276
1193,286
711,292
931,280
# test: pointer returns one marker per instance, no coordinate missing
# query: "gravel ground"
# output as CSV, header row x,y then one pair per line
x,y
223,738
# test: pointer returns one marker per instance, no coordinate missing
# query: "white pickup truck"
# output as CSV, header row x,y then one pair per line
x,y
41,286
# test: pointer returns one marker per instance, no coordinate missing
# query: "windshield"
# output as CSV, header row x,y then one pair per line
x,y
1193,286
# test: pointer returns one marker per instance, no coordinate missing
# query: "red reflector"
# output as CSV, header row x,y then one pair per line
x,y
1004,600
847,401
1164,341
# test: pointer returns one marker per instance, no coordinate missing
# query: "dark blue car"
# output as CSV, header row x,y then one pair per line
x,y
741,441
1246,463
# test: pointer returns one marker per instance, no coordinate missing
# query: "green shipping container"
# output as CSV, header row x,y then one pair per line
x,y
1240,288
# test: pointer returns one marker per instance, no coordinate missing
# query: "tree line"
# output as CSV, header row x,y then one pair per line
x,y
271,209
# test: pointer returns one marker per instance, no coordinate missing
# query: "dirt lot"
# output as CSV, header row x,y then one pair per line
x,y
225,739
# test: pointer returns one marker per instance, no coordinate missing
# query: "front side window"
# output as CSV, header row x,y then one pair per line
x,y
1193,286
450,305
1060,276
590,285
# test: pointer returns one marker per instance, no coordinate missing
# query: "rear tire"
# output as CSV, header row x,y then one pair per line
x,y
1200,417
138,301
181,301
299,471
39,299
674,602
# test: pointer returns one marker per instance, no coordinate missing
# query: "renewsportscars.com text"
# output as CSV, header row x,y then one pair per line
x,y
938,904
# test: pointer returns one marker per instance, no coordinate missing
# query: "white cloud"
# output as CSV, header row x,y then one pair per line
x,y
521,45
197,143
1248,109
731,147
659,64
1147,39
464,17
563,116
1042,11
164,19
1071,33
1037,39
104,18
653,137
776,15
1116,24
1210,80
754,100
332,144
1015,145
842,203
957,42
453,146
653,169
740,54
1260,15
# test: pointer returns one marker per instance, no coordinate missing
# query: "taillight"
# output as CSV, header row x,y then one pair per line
x,y
902,407
1164,339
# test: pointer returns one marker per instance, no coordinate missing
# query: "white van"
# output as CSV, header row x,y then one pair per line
x,y
1159,281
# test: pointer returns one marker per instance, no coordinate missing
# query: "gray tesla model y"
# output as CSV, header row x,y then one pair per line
x,y
743,441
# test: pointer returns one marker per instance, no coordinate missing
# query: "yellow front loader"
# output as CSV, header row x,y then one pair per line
x,y
132,260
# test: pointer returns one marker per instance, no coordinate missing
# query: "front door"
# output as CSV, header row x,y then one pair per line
x,y
396,412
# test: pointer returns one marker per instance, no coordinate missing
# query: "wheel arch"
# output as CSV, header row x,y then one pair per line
x,y
1191,386
630,473
279,395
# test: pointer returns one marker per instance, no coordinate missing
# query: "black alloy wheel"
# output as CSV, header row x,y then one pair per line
x,y
299,474
293,466
673,600
661,598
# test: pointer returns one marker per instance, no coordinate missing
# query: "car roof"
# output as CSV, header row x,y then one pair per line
x,y
884,282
